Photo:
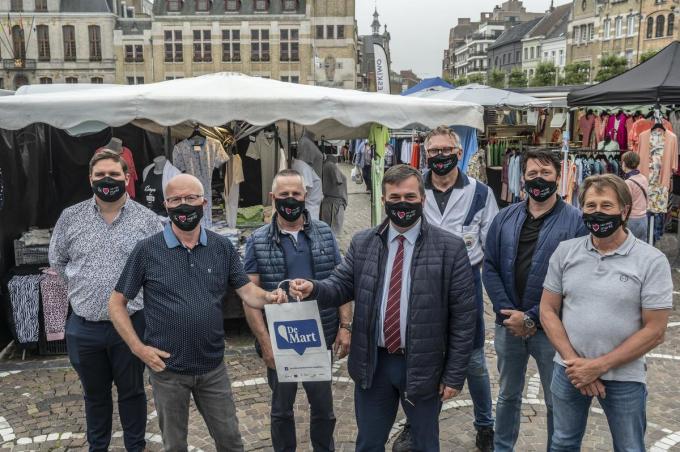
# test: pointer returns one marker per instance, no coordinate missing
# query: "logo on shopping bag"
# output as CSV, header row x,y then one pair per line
x,y
298,335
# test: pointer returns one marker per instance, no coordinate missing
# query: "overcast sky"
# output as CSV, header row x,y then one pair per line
x,y
420,29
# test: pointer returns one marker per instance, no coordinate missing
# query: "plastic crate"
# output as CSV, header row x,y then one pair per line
x,y
30,255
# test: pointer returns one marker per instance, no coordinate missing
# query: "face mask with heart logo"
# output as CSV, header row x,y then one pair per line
x,y
442,165
404,214
289,208
185,216
108,189
602,225
540,189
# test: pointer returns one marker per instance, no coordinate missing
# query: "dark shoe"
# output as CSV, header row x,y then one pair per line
x,y
403,441
485,439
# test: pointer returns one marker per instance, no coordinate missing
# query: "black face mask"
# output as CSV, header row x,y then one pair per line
x,y
540,189
185,216
404,214
601,224
289,208
442,165
108,189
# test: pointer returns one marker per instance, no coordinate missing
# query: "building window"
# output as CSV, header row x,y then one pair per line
x,y
607,28
45,80
330,32
289,5
72,80
69,33
576,35
259,45
2,83
631,25
619,26
526,53
18,42
531,53
202,46
231,45
650,27
134,53
43,38
136,80
174,5
290,79
340,32
561,61
97,80
203,6
629,58
41,6
290,45
660,26
671,24
591,32
232,5
173,46
319,32
262,5
518,56
95,36
16,6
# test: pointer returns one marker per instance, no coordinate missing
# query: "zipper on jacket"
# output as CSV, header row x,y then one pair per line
x,y
412,271
374,314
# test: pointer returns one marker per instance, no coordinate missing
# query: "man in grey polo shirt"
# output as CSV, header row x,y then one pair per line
x,y
606,304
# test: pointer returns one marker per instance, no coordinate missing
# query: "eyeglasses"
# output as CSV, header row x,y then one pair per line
x,y
175,201
433,152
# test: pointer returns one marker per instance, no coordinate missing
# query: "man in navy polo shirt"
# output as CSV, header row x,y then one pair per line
x,y
185,271
296,246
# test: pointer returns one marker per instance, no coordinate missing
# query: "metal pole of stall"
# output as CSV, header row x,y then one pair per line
x,y
276,149
288,153
168,144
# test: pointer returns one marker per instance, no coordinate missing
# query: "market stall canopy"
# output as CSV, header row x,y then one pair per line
x,y
655,80
486,96
429,84
218,99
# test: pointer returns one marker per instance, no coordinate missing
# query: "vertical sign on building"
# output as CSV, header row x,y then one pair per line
x,y
382,70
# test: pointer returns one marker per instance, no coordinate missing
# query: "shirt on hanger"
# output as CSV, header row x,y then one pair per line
x,y
263,149
379,136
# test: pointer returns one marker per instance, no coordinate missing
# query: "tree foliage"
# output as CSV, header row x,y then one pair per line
x,y
647,55
497,79
517,78
611,66
461,81
476,78
545,75
576,73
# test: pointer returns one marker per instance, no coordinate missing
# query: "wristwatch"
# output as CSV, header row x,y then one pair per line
x,y
347,326
528,322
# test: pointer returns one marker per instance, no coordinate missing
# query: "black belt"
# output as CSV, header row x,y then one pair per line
x,y
399,351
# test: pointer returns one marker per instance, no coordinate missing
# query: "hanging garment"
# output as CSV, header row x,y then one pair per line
x,y
24,294
674,119
477,166
199,158
378,136
415,155
643,125
616,128
406,149
334,186
586,125
2,191
658,159
601,126
169,171
263,149
55,305
153,198
469,143
233,176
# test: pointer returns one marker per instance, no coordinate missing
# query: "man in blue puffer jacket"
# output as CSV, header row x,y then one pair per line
x,y
414,320
519,244
295,246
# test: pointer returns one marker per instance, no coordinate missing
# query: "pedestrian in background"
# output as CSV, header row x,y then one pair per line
x,y
414,321
185,270
638,186
90,245
606,304
294,245
519,244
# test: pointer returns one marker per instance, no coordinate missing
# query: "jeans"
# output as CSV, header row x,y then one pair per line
x,y
624,406
322,418
101,357
376,408
212,394
513,355
639,226
480,389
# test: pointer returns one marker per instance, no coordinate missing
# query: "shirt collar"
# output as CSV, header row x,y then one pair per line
x,y
461,181
172,241
622,250
546,214
411,235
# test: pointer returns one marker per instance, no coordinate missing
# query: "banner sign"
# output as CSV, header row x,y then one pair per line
x,y
298,342
382,70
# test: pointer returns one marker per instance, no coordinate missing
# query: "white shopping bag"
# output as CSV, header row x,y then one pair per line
x,y
298,342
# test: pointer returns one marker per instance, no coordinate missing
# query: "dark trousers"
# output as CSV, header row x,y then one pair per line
x,y
101,358
211,392
322,417
376,408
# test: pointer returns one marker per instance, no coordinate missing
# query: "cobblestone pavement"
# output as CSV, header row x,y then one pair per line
x,y
41,406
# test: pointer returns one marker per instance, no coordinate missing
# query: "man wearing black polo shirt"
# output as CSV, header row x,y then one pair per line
x,y
519,244
292,246
185,270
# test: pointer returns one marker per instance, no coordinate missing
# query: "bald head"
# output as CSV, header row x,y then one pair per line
x,y
183,185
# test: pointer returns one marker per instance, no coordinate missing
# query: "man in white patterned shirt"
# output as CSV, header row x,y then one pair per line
x,y
90,245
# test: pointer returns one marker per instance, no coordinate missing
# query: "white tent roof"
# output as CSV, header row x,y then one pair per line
x,y
217,99
483,95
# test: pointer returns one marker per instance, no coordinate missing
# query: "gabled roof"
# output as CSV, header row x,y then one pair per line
x,y
514,34
560,30
548,22
85,6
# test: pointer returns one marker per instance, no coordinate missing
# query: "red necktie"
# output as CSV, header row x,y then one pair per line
x,y
391,329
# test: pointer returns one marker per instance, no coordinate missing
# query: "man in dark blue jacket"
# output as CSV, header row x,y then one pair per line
x,y
519,244
414,315
294,245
